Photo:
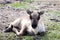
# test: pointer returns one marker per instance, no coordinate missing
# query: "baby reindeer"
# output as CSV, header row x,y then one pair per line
x,y
29,22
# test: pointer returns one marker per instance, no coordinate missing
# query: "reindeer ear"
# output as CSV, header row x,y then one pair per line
x,y
41,12
29,12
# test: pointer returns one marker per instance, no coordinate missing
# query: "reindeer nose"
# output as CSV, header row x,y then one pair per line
x,y
34,24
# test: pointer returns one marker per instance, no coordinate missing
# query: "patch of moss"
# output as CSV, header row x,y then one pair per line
x,y
19,5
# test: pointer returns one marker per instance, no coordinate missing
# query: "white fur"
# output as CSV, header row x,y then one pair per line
x,y
40,28
16,22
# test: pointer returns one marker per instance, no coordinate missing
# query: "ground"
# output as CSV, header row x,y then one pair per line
x,y
9,12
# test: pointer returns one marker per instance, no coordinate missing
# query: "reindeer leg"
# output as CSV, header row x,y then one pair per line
x,y
22,30
9,29
15,30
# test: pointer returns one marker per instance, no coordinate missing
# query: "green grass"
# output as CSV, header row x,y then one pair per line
x,y
57,13
19,5
28,0
22,5
53,31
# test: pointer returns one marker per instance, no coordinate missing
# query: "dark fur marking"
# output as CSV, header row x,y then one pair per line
x,y
8,29
41,34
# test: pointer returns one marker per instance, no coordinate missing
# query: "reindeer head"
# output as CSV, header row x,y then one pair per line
x,y
35,17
